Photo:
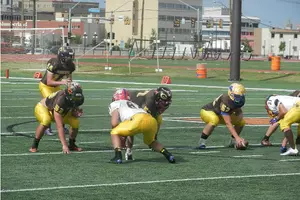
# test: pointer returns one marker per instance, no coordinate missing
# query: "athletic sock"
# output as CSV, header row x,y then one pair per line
x,y
35,143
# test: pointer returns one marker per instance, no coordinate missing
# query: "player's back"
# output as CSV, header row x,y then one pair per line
x,y
287,101
126,109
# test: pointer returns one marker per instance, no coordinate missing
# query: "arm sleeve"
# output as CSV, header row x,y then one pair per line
x,y
113,106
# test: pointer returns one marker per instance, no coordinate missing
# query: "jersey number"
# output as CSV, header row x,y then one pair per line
x,y
52,95
142,93
215,101
131,105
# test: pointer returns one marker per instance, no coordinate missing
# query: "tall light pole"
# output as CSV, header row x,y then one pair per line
x,y
290,43
84,41
198,18
70,23
95,36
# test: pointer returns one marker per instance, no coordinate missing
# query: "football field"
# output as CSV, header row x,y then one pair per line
x,y
217,172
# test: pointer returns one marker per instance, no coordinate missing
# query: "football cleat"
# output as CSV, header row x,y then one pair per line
x,y
202,146
66,131
283,149
290,152
171,158
265,142
33,150
116,160
74,148
49,132
128,154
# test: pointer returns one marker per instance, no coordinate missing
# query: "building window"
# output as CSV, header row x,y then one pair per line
x,y
162,5
272,35
255,25
62,15
281,35
162,17
133,17
170,6
295,35
170,18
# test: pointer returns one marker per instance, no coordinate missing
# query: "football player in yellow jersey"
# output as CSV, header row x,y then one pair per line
x,y
273,127
57,69
63,108
128,119
225,109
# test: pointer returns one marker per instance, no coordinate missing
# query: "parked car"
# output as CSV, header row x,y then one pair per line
x,y
7,48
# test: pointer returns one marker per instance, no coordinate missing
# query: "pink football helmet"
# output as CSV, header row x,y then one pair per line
x,y
120,94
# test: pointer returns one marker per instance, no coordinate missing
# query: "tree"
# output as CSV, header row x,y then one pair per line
x,y
247,47
153,36
77,39
282,47
128,43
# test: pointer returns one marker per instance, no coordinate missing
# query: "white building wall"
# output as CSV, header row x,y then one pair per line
x,y
292,44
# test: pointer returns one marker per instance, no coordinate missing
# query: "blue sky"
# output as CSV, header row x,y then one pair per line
x,y
274,12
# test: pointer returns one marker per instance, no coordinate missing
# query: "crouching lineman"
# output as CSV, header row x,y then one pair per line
x,y
57,69
225,109
286,111
273,127
127,119
154,102
63,108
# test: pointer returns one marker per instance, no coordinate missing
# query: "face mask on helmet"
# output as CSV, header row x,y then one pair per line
x,y
65,54
163,99
121,94
74,94
236,92
269,111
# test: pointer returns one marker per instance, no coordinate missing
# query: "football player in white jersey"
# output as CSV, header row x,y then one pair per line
x,y
284,110
273,127
127,119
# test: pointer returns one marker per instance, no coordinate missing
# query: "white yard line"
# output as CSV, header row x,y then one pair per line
x,y
290,160
150,182
204,152
155,84
247,156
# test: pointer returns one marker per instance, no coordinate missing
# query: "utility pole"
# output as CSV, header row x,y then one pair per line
x,y
236,41
70,24
198,18
34,23
11,14
110,35
142,25
22,20
230,23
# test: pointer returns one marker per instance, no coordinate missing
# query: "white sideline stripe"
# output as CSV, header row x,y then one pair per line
x,y
158,84
290,160
247,156
204,152
149,182
104,129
